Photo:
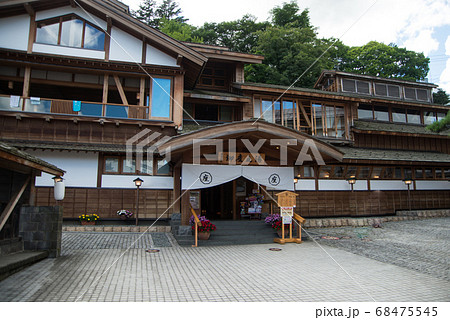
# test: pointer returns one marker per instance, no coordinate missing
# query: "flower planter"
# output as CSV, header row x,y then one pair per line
x,y
204,235
123,217
87,223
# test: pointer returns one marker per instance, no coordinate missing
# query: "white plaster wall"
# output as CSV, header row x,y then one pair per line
x,y
336,185
360,185
305,185
157,57
388,185
81,168
68,51
126,182
14,32
432,185
125,47
42,15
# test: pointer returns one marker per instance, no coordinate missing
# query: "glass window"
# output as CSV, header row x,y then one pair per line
x,y
363,173
129,166
325,172
93,38
428,173
226,113
348,85
380,89
37,105
340,122
188,111
381,113
111,165
376,173
408,173
351,172
363,87
267,110
388,173
257,108
163,167
365,112
439,173
418,173
440,116
146,166
277,107
393,91
206,112
47,34
330,120
161,90
308,172
91,109
338,171
399,115
117,111
447,173
398,173
71,33
413,116
317,108
429,117
288,113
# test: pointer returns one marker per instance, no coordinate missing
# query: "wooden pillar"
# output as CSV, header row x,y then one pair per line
x,y
108,38
105,89
177,188
234,201
32,197
32,33
26,83
177,108
142,92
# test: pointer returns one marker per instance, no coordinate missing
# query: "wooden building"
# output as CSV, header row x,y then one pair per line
x,y
81,80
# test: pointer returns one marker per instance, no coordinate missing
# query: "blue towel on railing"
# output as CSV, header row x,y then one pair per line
x,y
76,106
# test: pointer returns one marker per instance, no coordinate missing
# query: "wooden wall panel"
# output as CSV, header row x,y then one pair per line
x,y
106,202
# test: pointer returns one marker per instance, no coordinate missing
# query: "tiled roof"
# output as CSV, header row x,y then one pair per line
x,y
351,153
67,146
377,126
21,154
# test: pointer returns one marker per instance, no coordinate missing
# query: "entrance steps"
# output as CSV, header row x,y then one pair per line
x,y
234,233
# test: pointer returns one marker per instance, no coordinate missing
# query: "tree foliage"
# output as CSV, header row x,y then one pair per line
x,y
441,97
180,31
152,14
387,61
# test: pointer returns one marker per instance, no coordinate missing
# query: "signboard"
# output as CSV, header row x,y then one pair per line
x,y
194,199
241,157
287,211
287,219
287,199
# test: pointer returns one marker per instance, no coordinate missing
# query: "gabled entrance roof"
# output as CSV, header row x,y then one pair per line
x,y
251,129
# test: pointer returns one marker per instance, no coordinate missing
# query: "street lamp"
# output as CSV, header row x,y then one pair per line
x,y
137,182
408,182
351,181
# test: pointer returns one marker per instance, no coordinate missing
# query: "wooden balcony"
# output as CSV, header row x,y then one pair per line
x,y
76,108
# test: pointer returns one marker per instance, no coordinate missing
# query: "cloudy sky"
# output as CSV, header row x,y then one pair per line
x,y
419,25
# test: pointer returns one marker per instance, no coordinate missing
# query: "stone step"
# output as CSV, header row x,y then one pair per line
x,y
12,263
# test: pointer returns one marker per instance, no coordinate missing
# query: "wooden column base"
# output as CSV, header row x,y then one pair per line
x,y
289,240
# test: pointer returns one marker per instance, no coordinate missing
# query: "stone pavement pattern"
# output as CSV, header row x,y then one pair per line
x,y
305,272
421,245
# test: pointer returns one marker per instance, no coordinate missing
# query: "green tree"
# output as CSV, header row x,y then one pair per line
x,y
152,14
180,31
287,14
239,35
441,97
387,61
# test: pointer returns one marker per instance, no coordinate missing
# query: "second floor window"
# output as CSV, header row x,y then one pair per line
x,y
70,31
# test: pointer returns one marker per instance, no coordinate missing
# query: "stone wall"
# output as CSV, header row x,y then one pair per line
x,y
41,229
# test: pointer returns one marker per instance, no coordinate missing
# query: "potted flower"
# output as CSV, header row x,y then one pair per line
x,y
205,229
124,214
277,225
272,218
88,219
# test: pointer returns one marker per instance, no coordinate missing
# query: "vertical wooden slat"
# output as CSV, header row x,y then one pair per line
x,y
26,82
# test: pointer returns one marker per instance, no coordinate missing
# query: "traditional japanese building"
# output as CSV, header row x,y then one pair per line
x,y
81,80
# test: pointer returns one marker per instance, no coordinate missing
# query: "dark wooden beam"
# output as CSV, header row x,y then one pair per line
x,y
120,89
29,9
12,203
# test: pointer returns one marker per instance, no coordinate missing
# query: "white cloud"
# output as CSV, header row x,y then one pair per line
x,y
444,81
447,46
423,42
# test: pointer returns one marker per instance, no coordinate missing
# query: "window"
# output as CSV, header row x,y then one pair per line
x,y
122,165
338,171
440,116
70,31
277,108
363,173
429,117
226,113
439,173
398,173
416,94
340,122
429,173
418,173
161,101
387,173
376,173
447,173
355,86
325,172
91,109
317,119
288,114
113,111
413,116
385,90
308,172
399,115
214,77
365,112
408,173
381,113
267,113
351,172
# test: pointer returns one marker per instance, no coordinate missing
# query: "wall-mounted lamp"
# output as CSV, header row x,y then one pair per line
x,y
408,182
137,182
295,180
59,188
351,181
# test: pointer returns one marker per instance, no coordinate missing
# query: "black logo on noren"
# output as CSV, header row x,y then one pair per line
x,y
274,179
205,177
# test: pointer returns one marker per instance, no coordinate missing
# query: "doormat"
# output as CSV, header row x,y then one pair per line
x,y
152,250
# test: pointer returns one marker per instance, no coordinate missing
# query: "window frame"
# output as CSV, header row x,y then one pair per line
x,y
68,17
137,171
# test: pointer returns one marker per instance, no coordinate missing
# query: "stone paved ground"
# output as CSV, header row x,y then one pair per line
x,y
421,245
97,267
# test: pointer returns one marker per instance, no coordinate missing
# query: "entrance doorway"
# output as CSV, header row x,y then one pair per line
x,y
223,202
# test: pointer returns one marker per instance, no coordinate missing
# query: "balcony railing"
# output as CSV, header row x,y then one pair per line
x,y
79,108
